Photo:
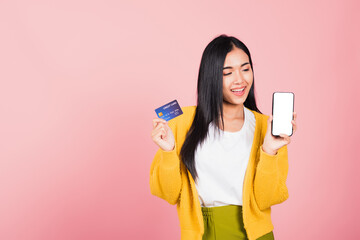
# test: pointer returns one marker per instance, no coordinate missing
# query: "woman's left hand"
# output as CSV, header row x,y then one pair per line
x,y
272,144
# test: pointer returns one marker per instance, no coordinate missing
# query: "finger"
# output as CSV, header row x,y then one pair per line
x,y
285,138
294,125
159,134
158,128
158,120
295,115
282,135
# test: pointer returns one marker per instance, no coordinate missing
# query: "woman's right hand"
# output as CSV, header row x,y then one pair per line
x,y
162,135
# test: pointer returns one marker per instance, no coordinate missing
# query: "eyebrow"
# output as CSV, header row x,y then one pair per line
x,y
232,67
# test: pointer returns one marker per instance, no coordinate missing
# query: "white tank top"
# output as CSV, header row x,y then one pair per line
x,y
221,162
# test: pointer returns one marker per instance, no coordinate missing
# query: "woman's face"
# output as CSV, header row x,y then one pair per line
x,y
237,77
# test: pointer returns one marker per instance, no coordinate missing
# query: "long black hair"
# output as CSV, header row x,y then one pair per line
x,y
210,95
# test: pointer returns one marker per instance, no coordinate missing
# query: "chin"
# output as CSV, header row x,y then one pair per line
x,y
238,101
235,102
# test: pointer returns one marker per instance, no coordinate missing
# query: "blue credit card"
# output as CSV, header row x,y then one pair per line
x,y
169,111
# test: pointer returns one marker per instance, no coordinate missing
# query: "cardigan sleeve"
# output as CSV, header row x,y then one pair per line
x,y
165,175
270,177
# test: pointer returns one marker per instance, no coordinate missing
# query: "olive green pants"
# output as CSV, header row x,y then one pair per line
x,y
226,222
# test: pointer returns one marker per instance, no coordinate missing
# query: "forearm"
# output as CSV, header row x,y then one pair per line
x,y
165,175
270,178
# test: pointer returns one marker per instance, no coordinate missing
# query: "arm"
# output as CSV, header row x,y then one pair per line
x,y
270,178
165,175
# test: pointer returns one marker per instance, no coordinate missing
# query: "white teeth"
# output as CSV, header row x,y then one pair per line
x,y
238,90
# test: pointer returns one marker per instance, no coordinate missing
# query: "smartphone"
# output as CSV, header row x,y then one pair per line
x,y
282,111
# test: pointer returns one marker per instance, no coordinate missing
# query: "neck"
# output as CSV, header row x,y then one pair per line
x,y
233,111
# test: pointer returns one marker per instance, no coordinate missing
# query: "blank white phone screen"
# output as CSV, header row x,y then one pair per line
x,y
283,107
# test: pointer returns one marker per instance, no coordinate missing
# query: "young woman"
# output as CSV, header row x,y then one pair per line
x,y
218,160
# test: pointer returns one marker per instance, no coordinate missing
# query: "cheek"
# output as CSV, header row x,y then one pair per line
x,y
227,95
249,79
226,83
225,87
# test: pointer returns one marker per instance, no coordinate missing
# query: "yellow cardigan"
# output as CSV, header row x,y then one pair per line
x,y
264,183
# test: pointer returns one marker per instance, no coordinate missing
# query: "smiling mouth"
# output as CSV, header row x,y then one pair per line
x,y
238,90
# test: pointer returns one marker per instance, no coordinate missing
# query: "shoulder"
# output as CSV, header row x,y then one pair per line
x,y
186,118
189,110
261,121
259,116
188,114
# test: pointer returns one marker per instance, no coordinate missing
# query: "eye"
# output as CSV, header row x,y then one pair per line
x,y
225,74
245,70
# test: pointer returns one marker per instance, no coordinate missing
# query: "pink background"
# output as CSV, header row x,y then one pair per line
x,y
80,81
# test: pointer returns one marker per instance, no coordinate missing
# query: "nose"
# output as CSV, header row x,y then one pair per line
x,y
238,76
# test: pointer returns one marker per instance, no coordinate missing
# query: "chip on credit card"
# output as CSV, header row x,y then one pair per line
x,y
169,110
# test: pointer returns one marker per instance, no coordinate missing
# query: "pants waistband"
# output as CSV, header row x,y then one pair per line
x,y
222,210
